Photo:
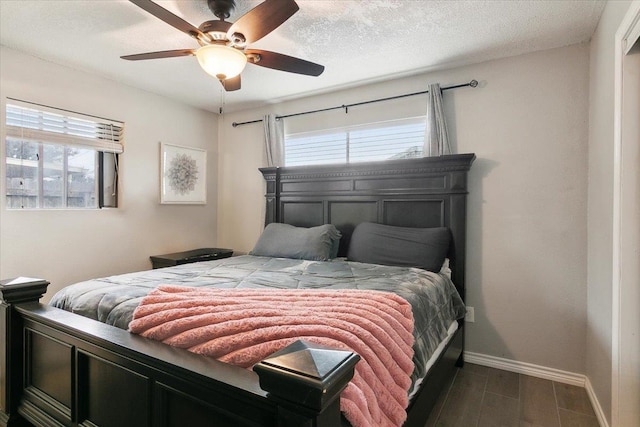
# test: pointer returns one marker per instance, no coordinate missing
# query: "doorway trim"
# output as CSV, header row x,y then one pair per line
x,y
629,27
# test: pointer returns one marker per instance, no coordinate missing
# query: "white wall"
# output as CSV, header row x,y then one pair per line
x,y
527,227
67,246
527,124
600,203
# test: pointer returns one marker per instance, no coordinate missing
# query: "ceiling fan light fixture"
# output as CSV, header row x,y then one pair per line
x,y
222,62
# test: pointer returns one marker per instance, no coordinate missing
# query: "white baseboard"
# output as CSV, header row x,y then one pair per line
x,y
525,368
538,371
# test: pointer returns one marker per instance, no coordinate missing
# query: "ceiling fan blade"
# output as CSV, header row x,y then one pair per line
x,y
281,62
171,19
161,54
231,84
263,19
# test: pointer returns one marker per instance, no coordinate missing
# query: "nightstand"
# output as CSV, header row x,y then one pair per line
x,y
196,255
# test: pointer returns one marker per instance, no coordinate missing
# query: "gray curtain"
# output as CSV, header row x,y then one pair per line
x,y
436,141
273,140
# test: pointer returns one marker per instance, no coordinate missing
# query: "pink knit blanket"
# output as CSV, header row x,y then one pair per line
x,y
244,326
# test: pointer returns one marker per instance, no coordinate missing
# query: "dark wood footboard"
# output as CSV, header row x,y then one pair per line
x,y
60,369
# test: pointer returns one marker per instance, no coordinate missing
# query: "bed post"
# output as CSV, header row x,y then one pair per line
x,y
14,291
306,380
272,194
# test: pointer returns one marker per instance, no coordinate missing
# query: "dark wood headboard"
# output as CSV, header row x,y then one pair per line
x,y
423,192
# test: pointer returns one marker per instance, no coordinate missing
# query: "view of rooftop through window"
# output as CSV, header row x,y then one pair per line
x,y
49,175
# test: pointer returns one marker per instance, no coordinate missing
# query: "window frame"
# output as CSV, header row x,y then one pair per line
x,y
27,122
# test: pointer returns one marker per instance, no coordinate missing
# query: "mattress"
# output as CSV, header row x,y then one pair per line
x,y
433,297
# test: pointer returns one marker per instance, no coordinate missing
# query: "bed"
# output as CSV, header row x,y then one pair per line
x,y
60,368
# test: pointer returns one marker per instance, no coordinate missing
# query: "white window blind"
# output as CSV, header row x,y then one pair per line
x,y
396,139
35,124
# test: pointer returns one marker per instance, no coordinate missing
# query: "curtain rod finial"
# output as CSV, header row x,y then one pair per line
x,y
473,83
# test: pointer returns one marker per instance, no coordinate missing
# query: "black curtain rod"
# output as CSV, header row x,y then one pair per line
x,y
472,83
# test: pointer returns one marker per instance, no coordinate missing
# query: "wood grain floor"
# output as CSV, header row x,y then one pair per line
x,y
487,397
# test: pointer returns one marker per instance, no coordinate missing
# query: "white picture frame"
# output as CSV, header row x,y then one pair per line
x,y
183,175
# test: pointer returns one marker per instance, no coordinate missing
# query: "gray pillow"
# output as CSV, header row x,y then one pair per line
x,y
286,241
424,248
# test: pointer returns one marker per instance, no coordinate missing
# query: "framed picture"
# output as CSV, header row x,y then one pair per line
x,y
183,175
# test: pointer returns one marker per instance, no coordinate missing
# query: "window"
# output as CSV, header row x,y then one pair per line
x,y
55,161
398,139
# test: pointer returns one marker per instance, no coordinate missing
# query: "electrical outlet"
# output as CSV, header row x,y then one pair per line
x,y
470,316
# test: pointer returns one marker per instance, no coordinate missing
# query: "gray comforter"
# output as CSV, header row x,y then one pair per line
x,y
433,297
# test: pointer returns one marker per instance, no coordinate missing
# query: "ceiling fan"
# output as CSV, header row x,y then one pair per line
x,y
223,49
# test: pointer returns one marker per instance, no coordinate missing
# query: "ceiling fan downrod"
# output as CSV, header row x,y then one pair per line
x,y
221,8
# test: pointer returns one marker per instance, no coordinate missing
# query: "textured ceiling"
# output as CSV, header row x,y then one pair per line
x,y
357,41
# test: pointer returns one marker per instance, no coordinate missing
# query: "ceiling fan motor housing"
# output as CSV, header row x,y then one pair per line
x,y
217,29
